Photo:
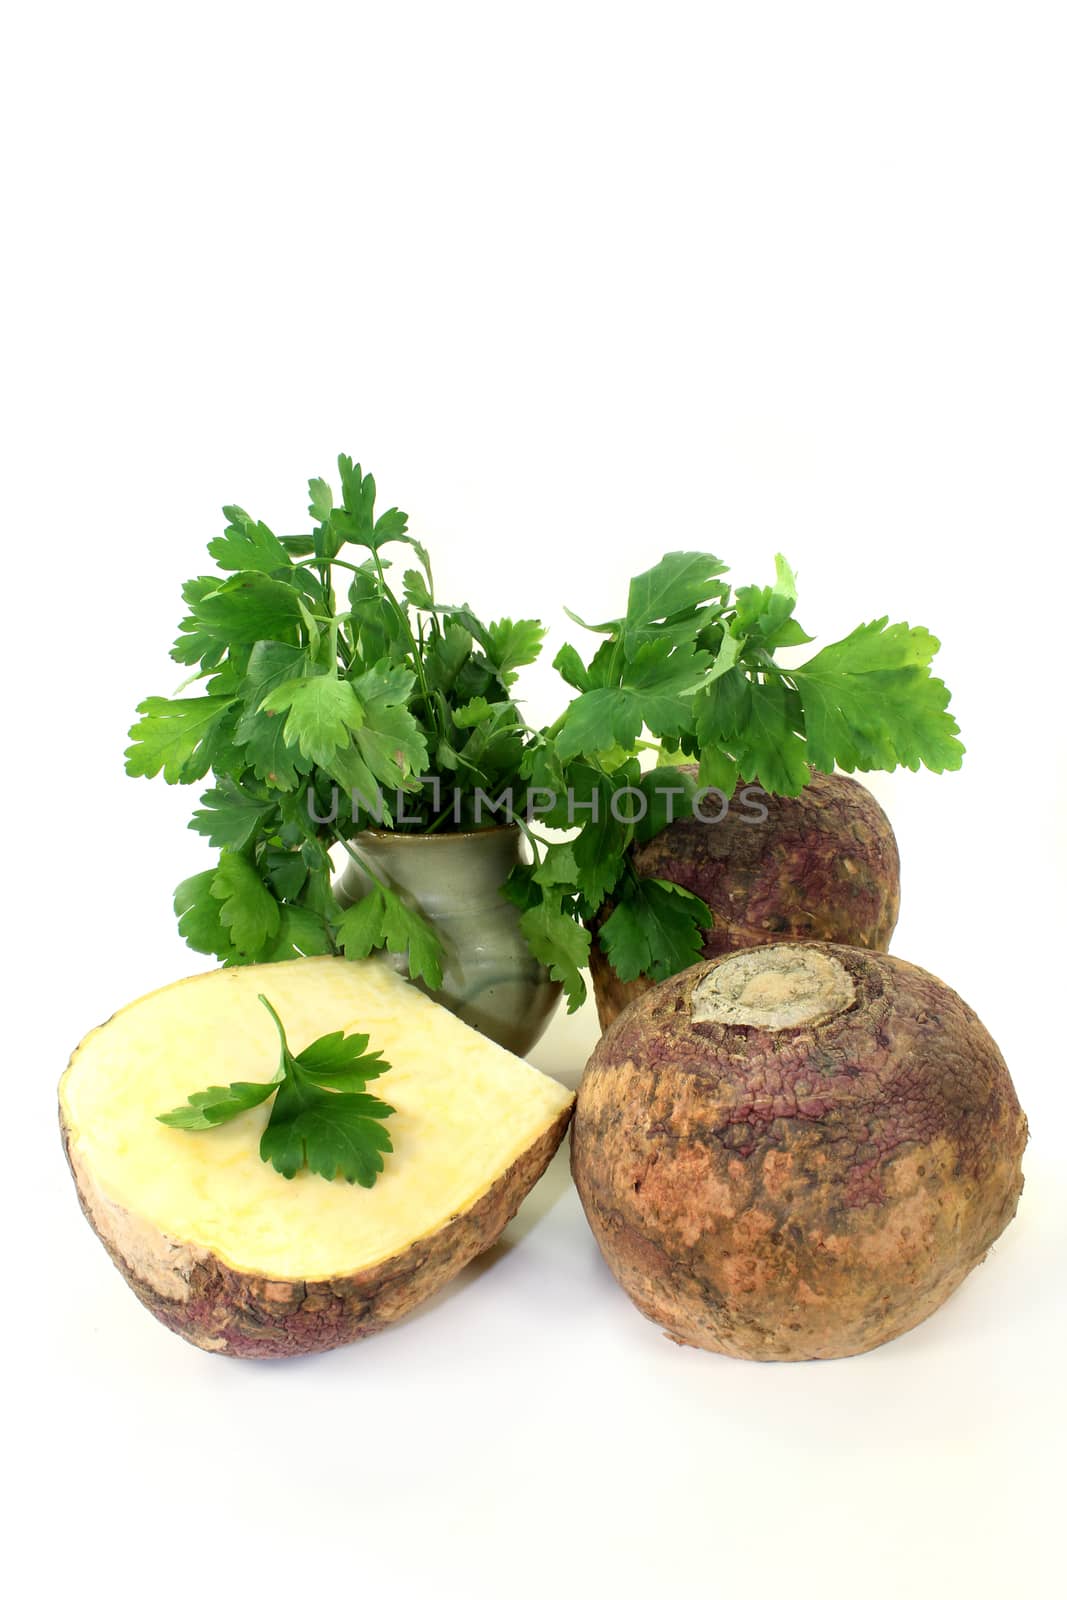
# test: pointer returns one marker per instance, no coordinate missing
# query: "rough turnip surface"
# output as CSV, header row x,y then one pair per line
x,y
234,1313
824,865
796,1152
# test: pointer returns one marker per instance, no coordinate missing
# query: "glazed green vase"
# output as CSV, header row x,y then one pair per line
x,y
491,980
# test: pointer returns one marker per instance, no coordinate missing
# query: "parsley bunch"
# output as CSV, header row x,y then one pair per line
x,y
322,1116
692,662
307,698
303,695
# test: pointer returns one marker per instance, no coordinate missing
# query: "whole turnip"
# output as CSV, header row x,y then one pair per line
x,y
796,1151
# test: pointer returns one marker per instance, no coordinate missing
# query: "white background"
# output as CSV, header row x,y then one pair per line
x,y
581,283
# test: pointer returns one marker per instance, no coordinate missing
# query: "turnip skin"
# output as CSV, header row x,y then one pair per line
x,y
235,1313
804,1192
824,865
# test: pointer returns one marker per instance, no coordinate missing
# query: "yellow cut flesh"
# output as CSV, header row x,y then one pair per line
x,y
465,1111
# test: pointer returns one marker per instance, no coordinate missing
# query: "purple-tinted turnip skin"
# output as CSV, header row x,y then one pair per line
x,y
823,865
804,1191
236,1313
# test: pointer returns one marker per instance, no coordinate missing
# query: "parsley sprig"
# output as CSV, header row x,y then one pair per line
x,y
304,695
692,663
322,1117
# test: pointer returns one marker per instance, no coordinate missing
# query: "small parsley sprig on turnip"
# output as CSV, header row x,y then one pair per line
x,y
322,1118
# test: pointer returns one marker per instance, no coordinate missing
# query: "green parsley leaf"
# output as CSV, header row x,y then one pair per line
x,y
247,607
301,932
232,816
170,733
199,919
320,496
415,591
262,733
560,943
247,546
669,794
717,770
249,910
342,1061
355,523
208,1108
558,865
271,756
389,739
757,724
474,712
599,720
568,663
599,847
870,702
322,713
658,684
679,581
381,919
655,930
512,644
270,664
193,644
331,1134
770,748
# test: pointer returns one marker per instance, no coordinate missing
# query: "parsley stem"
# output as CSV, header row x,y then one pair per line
x,y
531,839
278,1025
361,863
402,617
313,561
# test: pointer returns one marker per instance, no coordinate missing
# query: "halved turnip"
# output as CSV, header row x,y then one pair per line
x,y
796,1151
821,865
236,1258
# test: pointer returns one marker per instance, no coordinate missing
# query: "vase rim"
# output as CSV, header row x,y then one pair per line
x,y
389,836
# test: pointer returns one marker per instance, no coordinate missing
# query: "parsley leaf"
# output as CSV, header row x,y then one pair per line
x,y
247,607
870,702
654,930
249,910
323,712
381,919
655,690
209,1108
599,720
389,738
301,932
321,1119
321,497
416,592
232,816
681,580
342,1061
599,848
332,1134
171,733
262,733
512,644
560,943
193,644
247,546
199,916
